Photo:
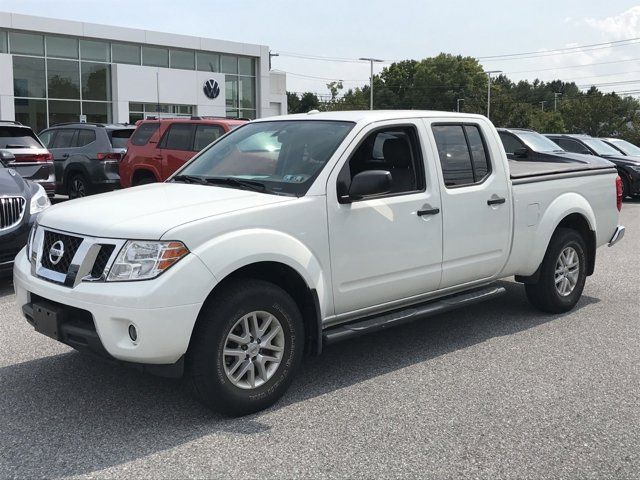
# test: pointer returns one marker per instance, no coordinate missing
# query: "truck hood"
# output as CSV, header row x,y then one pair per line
x,y
148,211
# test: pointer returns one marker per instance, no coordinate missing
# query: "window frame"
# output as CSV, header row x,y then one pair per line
x,y
72,143
202,126
163,141
421,176
80,130
509,134
487,154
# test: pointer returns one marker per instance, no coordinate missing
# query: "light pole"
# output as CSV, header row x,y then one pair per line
x,y
489,73
458,104
371,61
542,104
555,101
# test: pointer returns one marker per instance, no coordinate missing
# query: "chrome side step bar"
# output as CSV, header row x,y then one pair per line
x,y
373,324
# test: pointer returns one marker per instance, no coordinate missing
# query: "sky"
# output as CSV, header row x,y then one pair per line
x,y
393,30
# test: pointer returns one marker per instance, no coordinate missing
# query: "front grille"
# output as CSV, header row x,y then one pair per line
x,y
70,246
101,260
11,211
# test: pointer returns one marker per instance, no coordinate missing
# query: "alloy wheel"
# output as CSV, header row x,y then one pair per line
x,y
567,271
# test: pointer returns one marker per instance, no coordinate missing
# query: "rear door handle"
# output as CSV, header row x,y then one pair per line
x,y
496,201
65,155
428,211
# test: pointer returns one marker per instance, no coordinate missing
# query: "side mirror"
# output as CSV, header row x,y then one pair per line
x,y
370,182
521,153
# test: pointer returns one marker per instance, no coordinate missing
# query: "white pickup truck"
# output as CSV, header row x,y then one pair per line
x,y
294,232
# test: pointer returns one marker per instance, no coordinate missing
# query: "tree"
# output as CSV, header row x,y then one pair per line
x,y
308,101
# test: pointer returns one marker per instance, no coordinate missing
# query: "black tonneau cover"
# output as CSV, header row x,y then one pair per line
x,y
523,170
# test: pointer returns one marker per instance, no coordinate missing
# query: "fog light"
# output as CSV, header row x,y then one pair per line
x,y
133,333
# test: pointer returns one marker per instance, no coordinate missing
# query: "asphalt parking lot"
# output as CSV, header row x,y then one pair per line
x,y
497,391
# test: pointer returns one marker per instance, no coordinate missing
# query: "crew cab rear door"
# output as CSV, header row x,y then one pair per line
x,y
476,200
387,248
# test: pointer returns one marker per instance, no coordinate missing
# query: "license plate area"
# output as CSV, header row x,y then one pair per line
x,y
47,318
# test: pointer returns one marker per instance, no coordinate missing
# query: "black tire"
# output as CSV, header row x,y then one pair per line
x,y
205,367
544,295
78,186
145,180
626,188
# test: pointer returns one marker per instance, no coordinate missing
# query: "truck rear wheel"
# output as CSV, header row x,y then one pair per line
x,y
562,274
246,348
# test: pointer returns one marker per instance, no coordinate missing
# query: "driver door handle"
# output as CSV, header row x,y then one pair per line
x,y
496,201
428,211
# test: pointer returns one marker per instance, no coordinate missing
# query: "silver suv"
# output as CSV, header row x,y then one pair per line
x,y
86,156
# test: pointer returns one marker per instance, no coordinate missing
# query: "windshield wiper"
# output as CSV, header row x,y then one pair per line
x,y
237,182
189,179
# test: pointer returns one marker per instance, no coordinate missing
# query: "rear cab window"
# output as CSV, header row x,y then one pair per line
x,y
144,132
463,154
18,137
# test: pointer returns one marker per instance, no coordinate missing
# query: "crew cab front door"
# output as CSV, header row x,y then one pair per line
x,y
387,249
476,202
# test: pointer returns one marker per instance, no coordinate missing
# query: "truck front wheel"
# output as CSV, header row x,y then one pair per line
x,y
562,274
246,348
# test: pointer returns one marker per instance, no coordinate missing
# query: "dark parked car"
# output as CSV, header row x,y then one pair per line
x,y
628,166
86,156
23,151
626,148
524,144
20,203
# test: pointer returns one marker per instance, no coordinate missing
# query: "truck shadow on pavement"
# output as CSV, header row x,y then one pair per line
x,y
70,414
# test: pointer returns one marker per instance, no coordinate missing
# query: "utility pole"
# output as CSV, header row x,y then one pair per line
x,y
458,104
555,101
542,104
489,73
371,61
271,55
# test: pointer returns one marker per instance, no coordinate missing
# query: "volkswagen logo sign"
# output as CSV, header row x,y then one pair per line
x,y
56,252
211,89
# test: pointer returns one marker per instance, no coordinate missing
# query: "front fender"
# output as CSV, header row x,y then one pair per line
x,y
229,252
560,208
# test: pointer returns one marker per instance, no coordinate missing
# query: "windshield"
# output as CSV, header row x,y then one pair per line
x,y
17,137
538,143
284,156
627,148
600,147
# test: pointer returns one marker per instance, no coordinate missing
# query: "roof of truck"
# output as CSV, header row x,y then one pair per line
x,y
372,115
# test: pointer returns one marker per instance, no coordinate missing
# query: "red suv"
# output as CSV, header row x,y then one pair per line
x,y
159,147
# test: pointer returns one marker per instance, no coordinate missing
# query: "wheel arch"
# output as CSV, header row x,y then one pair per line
x,y
141,172
72,169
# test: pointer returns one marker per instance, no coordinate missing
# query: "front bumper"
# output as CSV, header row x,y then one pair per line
x,y
163,310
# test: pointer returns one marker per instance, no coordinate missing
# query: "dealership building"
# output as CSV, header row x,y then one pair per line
x,y
54,71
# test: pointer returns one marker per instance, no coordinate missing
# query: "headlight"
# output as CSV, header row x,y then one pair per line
x,y
32,234
39,201
140,260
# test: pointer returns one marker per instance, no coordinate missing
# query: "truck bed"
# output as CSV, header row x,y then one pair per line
x,y
523,172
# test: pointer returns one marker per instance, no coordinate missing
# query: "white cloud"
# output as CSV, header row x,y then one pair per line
x,y
618,27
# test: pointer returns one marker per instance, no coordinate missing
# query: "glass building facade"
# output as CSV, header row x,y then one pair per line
x,y
59,78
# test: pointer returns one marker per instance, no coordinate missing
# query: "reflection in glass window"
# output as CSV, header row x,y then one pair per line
x,y
155,57
85,137
32,113
61,111
246,66
63,47
184,59
206,134
231,91
178,137
208,62
481,167
97,112
454,155
250,114
26,43
3,42
94,50
65,138
228,64
28,77
96,81
63,79
126,53
247,92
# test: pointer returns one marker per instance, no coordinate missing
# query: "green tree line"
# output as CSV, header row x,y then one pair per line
x,y
437,83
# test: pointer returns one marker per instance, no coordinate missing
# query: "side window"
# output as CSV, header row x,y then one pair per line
x,y
178,137
511,143
395,149
206,134
85,137
46,137
64,138
144,132
570,145
462,153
